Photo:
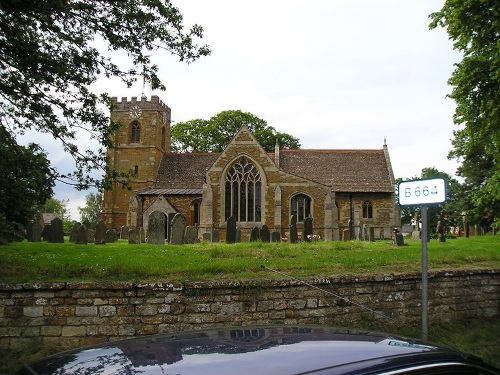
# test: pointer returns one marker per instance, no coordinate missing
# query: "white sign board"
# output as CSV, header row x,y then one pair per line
x,y
422,192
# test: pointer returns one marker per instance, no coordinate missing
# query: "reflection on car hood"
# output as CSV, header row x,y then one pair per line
x,y
265,350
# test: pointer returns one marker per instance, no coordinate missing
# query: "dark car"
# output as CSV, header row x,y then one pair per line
x,y
261,351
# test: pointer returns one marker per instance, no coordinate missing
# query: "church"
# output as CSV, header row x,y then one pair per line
x,y
345,192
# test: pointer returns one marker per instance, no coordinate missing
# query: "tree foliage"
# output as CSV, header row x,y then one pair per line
x,y
92,209
474,28
49,56
214,135
26,184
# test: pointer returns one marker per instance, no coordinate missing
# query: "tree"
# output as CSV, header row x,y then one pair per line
x,y
214,135
92,209
474,27
49,56
26,184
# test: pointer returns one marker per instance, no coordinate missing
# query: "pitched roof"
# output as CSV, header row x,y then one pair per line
x,y
343,170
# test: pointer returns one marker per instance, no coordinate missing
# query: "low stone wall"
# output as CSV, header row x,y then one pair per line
x,y
71,314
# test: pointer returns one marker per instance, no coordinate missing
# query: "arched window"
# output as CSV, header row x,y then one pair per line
x,y
194,209
367,210
135,135
243,192
300,206
136,170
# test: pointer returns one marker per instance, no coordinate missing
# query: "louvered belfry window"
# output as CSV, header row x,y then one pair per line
x,y
243,192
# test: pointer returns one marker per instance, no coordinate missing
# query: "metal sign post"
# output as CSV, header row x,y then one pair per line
x,y
423,193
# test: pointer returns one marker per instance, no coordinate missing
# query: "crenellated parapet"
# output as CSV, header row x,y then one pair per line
x,y
155,104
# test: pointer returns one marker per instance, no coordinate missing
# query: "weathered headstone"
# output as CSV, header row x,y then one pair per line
x,y
56,231
191,234
142,234
34,232
231,230
255,234
207,236
275,236
265,234
156,228
237,238
46,232
90,235
371,234
100,233
134,236
346,235
415,235
177,229
111,236
308,229
399,239
72,231
293,229
80,236
440,231
215,235
86,222
124,232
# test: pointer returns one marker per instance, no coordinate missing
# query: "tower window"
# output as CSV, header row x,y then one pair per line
x,y
300,206
135,136
243,190
136,170
367,210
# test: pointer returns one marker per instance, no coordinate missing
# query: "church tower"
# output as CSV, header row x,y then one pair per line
x,y
140,142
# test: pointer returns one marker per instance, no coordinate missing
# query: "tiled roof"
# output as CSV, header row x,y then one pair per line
x,y
184,171
166,191
343,170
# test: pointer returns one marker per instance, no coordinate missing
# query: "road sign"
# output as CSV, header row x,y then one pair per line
x,y
422,192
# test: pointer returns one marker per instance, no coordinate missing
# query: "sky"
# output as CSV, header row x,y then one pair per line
x,y
336,74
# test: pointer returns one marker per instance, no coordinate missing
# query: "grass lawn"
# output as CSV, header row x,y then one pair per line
x,y
25,261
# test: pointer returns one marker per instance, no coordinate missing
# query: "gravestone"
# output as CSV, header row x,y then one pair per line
x,y
177,229
191,234
215,235
86,222
142,234
46,232
440,231
237,238
100,233
275,236
346,235
134,236
308,229
72,231
207,236
265,234
80,236
56,231
415,235
399,239
90,235
293,229
34,232
231,230
255,234
111,236
156,228
124,232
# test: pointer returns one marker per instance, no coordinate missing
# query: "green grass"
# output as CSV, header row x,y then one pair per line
x,y
25,261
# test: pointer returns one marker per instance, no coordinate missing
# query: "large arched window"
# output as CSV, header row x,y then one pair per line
x,y
135,135
243,190
300,206
367,210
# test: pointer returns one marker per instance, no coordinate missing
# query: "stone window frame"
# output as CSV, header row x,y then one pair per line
x,y
195,211
305,213
135,132
367,209
257,201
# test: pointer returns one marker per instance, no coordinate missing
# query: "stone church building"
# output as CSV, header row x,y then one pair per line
x,y
342,190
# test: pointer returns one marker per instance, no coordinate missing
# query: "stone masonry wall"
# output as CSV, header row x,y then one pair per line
x,y
72,314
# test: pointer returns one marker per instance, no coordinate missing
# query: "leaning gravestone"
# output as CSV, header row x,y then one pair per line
x,y
56,231
177,230
255,234
191,234
80,236
231,230
265,234
293,229
134,236
111,236
308,229
100,233
124,232
156,228
34,232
